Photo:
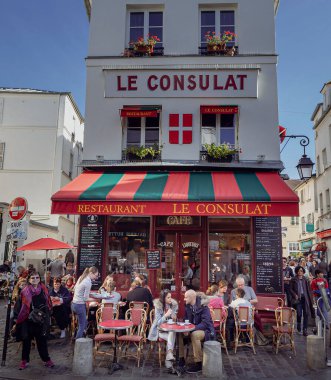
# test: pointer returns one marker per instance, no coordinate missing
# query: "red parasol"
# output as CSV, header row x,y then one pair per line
x,y
282,133
47,244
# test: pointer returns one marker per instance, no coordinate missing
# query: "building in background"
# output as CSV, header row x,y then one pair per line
x,y
151,184
41,137
322,127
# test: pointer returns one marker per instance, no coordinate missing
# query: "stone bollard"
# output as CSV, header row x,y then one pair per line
x,y
212,365
315,352
83,357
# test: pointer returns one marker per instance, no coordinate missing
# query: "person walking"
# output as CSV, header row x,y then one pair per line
x,y
302,299
165,308
33,297
57,268
81,295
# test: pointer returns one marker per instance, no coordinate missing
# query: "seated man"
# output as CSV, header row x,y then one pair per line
x,y
240,301
61,300
198,313
249,292
140,294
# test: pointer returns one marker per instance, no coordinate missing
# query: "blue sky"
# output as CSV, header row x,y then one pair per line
x,y
44,43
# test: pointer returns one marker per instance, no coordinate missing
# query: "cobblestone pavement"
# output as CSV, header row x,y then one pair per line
x,y
264,365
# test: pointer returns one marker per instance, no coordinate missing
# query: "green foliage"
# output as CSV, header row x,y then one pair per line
x,y
219,151
144,151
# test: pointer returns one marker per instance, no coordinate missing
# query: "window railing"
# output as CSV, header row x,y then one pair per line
x,y
131,52
230,51
204,156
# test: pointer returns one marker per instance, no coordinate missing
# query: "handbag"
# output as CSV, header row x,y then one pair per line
x,y
37,316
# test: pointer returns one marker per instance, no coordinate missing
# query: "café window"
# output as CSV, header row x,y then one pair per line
x,y
128,239
218,128
229,250
142,24
142,131
219,21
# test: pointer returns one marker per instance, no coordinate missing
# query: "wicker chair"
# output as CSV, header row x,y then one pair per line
x,y
283,333
160,342
134,335
219,316
244,322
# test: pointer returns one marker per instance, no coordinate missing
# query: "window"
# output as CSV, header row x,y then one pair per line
x,y
293,246
218,22
218,129
303,225
2,154
294,220
324,159
321,203
71,164
302,196
144,23
143,131
327,200
318,166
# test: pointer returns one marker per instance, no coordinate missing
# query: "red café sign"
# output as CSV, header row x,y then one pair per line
x,y
324,234
18,208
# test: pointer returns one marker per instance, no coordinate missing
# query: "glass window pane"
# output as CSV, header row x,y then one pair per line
x,y
137,19
152,122
155,19
205,30
158,32
136,33
133,137
208,120
151,137
208,135
227,136
227,120
207,18
227,17
134,122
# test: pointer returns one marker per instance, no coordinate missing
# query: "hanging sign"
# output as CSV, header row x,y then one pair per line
x,y
18,208
153,259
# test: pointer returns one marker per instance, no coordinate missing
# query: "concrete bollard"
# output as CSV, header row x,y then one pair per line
x,y
83,357
315,352
212,365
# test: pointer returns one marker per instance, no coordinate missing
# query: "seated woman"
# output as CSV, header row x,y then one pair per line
x,y
165,308
109,286
61,300
223,292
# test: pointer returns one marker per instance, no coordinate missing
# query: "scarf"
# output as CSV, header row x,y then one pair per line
x,y
26,297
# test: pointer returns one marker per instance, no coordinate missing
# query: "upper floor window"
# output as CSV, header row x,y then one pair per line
x,y
321,203
143,131
327,200
2,154
324,159
142,24
218,128
218,22
294,220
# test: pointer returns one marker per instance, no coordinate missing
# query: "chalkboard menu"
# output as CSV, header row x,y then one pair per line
x,y
153,259
268,250
91,240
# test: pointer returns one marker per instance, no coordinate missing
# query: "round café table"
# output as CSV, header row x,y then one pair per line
x,y
177,328
115,324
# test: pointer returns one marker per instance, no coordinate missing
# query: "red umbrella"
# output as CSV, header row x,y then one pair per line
x,y
282,133
47,244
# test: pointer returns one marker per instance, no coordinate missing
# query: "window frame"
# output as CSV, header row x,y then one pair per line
x,y
146,26
218,129
142,132
218,10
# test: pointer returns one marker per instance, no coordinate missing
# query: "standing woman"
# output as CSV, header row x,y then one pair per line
x,y
302,298
33,296
165,308
81,295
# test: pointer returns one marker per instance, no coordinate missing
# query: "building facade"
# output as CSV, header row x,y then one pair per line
x,y
41,136
155,198
321,119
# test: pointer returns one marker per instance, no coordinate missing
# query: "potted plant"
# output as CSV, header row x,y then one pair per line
x,y
218,42
142,152
220,153
142,46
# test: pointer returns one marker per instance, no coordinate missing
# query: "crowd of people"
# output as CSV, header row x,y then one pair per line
x,y
35,305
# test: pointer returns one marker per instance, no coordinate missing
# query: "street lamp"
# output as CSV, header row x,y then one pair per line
x,y
305,165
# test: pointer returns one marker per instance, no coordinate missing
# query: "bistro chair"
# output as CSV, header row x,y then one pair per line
x,y
104,313
283,333
145,306
244,331
219,316
134,335
160,342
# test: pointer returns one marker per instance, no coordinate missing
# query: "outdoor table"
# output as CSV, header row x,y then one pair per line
x,y
115,324
177,328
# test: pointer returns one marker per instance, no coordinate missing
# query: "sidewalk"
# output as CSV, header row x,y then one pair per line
x,y
264,365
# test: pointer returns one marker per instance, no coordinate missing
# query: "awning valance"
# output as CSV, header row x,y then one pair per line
x,y
219,109
140,111
177,193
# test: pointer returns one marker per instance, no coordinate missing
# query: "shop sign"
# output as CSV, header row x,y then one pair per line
x,y
181,83
309,227
17,231
166,244
324,234
190,244
179,220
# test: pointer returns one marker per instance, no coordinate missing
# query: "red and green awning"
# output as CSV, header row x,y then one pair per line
x,y
177,193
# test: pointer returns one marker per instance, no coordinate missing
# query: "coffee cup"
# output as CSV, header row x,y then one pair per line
x,y
187,322
170,321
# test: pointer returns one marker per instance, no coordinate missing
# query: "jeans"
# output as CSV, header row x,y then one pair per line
x,y
302,311
169,337
80,311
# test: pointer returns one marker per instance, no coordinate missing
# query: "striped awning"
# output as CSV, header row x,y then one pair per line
x,y
177,193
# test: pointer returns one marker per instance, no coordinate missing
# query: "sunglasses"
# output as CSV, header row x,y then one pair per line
x,y
34,277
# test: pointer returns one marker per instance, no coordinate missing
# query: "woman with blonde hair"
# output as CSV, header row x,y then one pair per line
x,y
81,295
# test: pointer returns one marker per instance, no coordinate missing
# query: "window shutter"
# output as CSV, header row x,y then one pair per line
x,y
2,154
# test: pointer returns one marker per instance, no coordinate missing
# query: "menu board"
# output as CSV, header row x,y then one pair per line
x,y
91,245
268,250
153,259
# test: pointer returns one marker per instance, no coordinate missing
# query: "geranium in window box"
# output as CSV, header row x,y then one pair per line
x,y
220,153
145,47
150,153
218,43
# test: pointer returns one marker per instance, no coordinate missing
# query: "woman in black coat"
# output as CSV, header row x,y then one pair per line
x,y
302,298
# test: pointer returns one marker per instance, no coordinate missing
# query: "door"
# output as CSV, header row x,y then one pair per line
x,y
180,263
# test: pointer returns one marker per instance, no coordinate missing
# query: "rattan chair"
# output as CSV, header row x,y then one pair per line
x,y
219,316
244,331
283,333
160,342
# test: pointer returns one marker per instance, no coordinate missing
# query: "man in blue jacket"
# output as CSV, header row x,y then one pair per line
x,y
197,312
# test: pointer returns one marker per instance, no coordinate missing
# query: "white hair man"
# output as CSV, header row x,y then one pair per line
x,y
249,292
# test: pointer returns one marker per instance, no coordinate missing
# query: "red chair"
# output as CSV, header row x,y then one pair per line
x,y
104,313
